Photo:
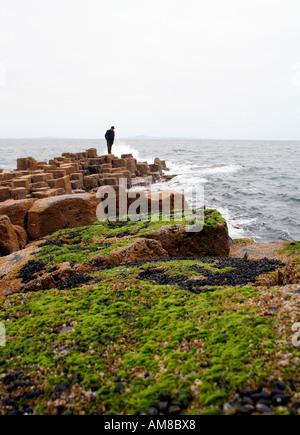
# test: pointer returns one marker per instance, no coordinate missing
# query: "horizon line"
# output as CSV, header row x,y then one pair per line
x,y
145,137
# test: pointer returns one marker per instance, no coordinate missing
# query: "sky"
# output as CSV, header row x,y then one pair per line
x,y
209,69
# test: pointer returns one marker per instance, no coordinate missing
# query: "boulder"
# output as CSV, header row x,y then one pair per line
x,y
4,193
16,210
19,193
119,163
12,237
143,168
77,184
91,182
78,176
22,182
41,177
212,241
58,173
61,183
27,163
131,165
92,153
49,215
139,250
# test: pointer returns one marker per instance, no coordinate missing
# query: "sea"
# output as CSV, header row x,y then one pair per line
x,y
254,184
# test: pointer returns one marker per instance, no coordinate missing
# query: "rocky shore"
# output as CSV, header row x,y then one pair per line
x,y
40,198
125,317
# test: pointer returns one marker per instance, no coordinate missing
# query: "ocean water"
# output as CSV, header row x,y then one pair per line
x,y
254,184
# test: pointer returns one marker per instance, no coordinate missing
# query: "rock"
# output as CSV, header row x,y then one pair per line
x,y
41,177
153,411
262,409
16,210
92,153
260,396
22,182
212,241
22,236
34,187
27,163
281,386
4,193
119,163
280,400
143,169
12,238
139,250
163,406
61,183
174,410
77,184
247,401
91,182
49,215
167,200
58,173
19,193
247,392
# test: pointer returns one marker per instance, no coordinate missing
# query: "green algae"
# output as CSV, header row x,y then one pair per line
x,y
149,338
81,244
128,340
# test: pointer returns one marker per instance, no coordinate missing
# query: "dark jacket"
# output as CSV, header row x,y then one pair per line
x,y
110,136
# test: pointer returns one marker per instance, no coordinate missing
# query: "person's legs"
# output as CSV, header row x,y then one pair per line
x,y
109,145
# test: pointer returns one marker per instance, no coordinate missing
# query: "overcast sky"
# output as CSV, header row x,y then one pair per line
x,y
215,69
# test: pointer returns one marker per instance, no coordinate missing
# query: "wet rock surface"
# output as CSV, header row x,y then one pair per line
x,y
264,401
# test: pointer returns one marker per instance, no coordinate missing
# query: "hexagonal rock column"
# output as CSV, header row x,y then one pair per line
x,y
49,215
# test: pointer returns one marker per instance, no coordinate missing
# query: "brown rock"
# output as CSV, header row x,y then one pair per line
x,y
211,241
76,176
119,163
70,169
166,200
19,193
92,153
77,184
12,238
67,211
126,156
110,181
16,210
61,183
22,236
27,163
4,193
139,250
91,182
39,185
22,182
155,168
143,168
47,193
58,173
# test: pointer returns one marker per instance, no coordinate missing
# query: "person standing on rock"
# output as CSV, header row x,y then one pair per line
x,y
110,138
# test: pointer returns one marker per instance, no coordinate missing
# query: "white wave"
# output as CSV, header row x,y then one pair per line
x,y
228,169
237,226
121,147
